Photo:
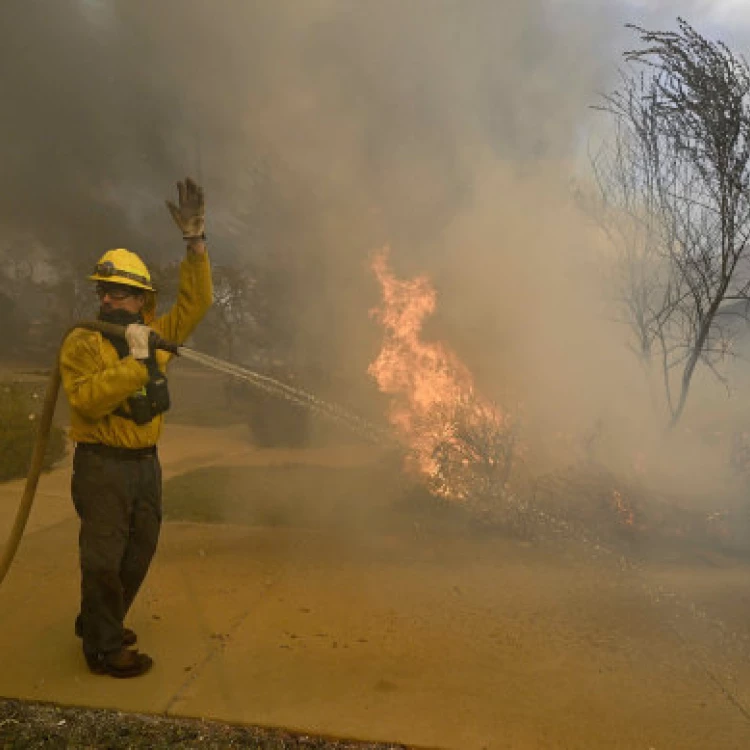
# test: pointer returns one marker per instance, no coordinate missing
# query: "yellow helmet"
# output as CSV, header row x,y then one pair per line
x,y
122,267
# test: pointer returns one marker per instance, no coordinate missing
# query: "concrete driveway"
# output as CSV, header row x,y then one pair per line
x,y
431,639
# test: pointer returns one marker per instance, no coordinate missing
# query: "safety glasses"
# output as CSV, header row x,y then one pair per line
x,y
115,291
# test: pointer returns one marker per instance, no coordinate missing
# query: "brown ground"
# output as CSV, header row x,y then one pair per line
x,y
349,608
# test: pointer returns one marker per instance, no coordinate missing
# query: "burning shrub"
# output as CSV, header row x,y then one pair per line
x,y
20,407
463,444
474,458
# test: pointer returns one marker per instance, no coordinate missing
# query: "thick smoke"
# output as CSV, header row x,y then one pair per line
x,y
323,130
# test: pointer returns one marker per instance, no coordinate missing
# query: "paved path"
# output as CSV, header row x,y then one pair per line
x,y
425,638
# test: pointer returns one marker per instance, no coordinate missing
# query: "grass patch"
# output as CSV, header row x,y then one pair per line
x,y
374,497
21,406
289,495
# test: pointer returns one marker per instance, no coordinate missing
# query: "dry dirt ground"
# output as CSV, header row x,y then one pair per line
x,y
313,590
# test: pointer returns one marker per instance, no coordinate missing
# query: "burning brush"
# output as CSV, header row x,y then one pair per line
x,y
474,455
461,444
466,450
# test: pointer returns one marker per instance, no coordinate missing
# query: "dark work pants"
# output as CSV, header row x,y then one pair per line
x,y
119,503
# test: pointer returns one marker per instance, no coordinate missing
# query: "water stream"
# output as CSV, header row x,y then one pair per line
x,y
294,395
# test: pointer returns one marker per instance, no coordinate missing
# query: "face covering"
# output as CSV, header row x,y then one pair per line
x,y
119,317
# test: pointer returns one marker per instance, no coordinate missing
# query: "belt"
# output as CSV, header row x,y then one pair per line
x,y
124,454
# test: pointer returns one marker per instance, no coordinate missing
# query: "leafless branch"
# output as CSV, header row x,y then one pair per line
x,y
678,168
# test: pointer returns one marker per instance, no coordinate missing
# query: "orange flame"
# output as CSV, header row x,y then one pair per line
x,y
434,403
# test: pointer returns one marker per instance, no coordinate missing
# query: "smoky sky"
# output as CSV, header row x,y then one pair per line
x,y
283,107
321,130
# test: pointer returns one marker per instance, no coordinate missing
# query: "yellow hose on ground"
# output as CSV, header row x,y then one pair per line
x,y
37,460
40,448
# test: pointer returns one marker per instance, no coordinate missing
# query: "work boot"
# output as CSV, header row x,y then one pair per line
x,y
123,663
129,638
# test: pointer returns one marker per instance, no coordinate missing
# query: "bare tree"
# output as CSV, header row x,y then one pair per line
x,y
626,208
682,172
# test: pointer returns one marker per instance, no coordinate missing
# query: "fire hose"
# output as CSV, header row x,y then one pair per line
x,y
257,380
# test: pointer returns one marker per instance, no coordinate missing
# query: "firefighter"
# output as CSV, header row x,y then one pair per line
x,y
118,394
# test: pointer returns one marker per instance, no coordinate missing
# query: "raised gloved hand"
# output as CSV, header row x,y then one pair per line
x,y
139,340
190,214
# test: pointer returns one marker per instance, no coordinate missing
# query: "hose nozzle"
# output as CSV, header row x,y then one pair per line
x,y
157,342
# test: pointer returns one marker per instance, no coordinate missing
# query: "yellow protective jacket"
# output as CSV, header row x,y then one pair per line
x,y
97,381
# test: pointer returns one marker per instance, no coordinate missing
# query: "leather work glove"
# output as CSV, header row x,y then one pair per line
x,y
139,340
190,215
